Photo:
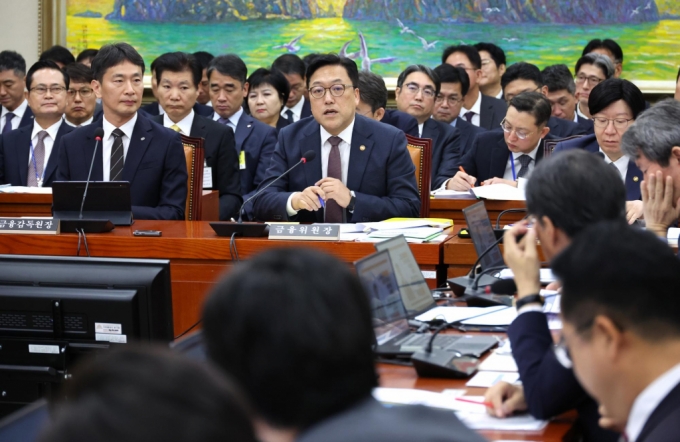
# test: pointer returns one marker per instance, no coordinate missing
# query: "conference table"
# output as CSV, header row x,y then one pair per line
x,y
452,208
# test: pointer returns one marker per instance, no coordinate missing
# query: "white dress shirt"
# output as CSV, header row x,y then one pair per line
x,y
18,115
578,112
48,142
344,147
107,143
297,110
420,129
648,400
514,156
231,121
576,115
184,125
621,164
161,111
84,123
499,95
476,108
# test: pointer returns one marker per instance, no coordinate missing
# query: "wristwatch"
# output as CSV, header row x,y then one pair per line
x,y
531,299
352,200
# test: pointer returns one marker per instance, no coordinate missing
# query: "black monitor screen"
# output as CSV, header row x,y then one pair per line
x,y
482,234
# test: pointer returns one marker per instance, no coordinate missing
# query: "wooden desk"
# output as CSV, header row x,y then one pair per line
x,y
452,208
198,257
29,204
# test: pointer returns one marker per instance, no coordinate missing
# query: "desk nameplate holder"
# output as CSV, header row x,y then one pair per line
x,y
305,232
30,226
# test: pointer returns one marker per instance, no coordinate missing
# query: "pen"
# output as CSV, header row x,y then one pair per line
x,y
470,401
322,202
462,170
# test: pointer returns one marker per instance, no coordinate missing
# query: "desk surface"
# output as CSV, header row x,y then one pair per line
x,y
452,208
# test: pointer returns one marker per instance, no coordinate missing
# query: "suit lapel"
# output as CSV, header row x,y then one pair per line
x,y
486,114
27,119
198,127
139,142
312,141
633,178
431,130
24,152
243,130
358,157
499,159
88,148
54,156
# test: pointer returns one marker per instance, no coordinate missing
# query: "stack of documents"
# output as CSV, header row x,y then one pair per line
x,y
23,189
499,192
417,230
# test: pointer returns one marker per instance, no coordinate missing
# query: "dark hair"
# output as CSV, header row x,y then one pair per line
x,y
624,273
372,90
230,65
600,61
655,133
419,68
146,393
86,54
203,58
293,327
178,62
574,189
332,59
608,44
78,73
453,74
496,52
616,89
275,79
11,60
522,71
290,64
558,77
112,55
45,64
534,103
58,54
307,59
470,52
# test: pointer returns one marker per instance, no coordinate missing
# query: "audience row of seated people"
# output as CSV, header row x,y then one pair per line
x,y
488,124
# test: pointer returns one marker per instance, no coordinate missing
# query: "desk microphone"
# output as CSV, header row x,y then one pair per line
x,y
98,135
443,363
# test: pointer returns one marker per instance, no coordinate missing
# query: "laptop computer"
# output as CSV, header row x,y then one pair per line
x,y
390,323
482,234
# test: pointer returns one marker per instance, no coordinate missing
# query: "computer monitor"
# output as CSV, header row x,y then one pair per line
x,y
482,234
55,310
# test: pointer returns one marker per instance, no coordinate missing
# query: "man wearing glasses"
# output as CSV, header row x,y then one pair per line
x,y
81,103
416,92
507,157
565,194
361,170
591,70
29,155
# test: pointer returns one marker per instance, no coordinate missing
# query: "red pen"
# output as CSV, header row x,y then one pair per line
x,y
471,401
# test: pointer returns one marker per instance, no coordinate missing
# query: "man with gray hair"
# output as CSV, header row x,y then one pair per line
x,y
654,142
591,70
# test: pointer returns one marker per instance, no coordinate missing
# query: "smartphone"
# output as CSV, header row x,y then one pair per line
x,y
147,233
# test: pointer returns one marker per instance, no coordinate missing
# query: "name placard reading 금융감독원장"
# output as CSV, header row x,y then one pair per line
x,y
305,232
31,226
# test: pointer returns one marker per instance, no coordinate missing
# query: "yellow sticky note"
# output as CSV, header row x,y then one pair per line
x,y
242,160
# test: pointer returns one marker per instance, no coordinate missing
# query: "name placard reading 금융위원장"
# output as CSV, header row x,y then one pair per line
x,y
31,226
305,232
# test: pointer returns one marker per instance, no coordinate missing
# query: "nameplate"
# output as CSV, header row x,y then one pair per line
x,y
31,226
305,232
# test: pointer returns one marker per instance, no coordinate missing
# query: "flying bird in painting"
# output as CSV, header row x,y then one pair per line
x,y
343,51
490,10
366,61
427,46
649,5
405,28
291,46
510,39
635,11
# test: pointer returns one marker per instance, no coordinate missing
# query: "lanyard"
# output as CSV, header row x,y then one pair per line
x,y
512,166
38,179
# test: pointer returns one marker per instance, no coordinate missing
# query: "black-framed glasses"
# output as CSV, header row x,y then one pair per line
x,y
84,92
42,90
592,80
521,133
337,90
414,88
619,123
452,100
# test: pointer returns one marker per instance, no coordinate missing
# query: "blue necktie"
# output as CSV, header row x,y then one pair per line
x,y
8,122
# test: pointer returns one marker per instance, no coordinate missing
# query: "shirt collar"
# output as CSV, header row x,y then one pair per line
x,y
500,95
84,123
234,119
578,112
18,112
621,164
476,108
161,111
532,154
297,109
184,124
648,400
576,117
345,135
420,129
453,123
51,131
127,128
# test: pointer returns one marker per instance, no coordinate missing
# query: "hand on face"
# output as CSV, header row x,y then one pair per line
x,y
522,258
660,210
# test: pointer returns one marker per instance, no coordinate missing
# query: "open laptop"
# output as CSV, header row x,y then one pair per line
x,y
483,235
390,323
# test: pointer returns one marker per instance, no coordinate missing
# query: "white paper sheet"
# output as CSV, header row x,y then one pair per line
x,y
453,314
486,379
499,192
498,362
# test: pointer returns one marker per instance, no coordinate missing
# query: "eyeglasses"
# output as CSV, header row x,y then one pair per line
x,y
619,123
452,100
84,92
562,353
521,134
42,90
592,80
337,90
414,88
462,66
486,62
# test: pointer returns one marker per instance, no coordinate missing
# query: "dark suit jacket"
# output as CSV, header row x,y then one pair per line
x,y
199,109
663,424
633,176
586,126
370,421
468,132
382,175
154,166
492,112
15,152
561,128
27,119
306,109
401,120
281,123
221,156
446,149
549,388
488,156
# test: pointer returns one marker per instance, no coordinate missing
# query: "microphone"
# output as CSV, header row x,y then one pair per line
x,y
98,135
308,156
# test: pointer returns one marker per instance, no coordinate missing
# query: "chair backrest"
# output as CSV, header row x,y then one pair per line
x,y
194,156
420,150
549,145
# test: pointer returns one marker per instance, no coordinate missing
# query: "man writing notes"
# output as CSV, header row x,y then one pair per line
x,y
361,171
133,148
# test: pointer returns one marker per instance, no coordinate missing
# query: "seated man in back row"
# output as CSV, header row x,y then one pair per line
x,y
134,148
362,170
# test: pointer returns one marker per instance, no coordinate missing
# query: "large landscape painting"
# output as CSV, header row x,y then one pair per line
x,y
385,36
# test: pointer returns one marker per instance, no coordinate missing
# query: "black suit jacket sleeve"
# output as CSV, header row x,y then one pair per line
x,y
468,161
226,178
2,161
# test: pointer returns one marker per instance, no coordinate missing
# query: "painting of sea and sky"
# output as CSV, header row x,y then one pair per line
x,y
385,36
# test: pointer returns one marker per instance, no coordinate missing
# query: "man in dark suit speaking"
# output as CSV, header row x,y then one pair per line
x,y
133,148
362,170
